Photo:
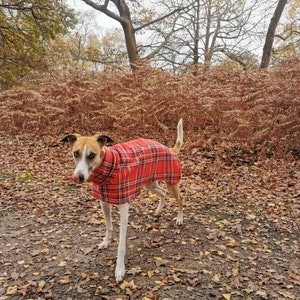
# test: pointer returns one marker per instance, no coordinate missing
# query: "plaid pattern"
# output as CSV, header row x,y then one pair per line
x,y
127,167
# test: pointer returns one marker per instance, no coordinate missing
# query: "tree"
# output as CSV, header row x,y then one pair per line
x,y
287,37
267,50
207,31
123,16
87,49
25,29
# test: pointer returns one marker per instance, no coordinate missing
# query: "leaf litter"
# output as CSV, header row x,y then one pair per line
x,y
240,238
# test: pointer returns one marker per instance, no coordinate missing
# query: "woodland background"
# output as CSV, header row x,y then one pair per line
x,y
240,159
38,38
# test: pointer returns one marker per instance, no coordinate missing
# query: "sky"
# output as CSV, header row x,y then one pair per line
x,y
101,20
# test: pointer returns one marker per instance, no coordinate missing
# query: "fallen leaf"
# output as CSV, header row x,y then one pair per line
x,y
40,252
163,281
176,278
134,271
160,262
232,244
262,294
62,264
251,217
24,289
216,278
150,273
235,270
11,290
41,285
87,250
192,241
124,285
95,276
64,280
152,296
287,295
295,277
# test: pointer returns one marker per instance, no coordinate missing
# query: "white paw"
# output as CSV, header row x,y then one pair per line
x,y
179,219
158,212
104,244
119,273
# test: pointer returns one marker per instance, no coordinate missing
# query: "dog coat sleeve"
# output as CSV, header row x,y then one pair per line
x,y
127,167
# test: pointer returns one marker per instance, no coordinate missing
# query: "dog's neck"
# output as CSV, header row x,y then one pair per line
x,y
103,172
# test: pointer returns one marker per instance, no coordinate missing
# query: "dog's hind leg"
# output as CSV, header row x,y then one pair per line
x,y
174,190
155,188
120,267
106,208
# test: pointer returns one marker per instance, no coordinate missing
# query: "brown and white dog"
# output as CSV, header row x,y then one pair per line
x,y
118,173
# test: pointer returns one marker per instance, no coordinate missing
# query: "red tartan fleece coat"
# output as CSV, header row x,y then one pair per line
x,y
127,167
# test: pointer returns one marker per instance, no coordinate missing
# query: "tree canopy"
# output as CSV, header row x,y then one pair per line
x,y
25,28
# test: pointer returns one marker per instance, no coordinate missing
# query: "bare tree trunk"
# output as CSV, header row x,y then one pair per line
x,y
129,32
266,57
207,36
197,33
210,37
196,38
124,18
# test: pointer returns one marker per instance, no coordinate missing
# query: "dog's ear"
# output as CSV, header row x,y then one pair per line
x,y
70,138
104,139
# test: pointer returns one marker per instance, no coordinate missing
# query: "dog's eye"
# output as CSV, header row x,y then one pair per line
x,y
91,156
76,154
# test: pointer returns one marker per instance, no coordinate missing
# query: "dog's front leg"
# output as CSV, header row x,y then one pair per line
x,y
106,208
120,267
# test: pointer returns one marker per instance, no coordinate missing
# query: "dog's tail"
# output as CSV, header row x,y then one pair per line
x,y
179,139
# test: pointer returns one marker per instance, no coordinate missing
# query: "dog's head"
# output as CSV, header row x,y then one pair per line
x,y
88,153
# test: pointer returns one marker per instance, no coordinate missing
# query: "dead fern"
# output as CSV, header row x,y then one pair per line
x,y
223,110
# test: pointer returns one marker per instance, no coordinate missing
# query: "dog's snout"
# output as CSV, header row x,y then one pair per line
x,y
78,178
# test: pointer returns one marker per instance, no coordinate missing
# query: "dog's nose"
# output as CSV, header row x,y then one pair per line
x,y
81,178
78,178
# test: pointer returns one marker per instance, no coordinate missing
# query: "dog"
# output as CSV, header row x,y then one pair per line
x,y
118,173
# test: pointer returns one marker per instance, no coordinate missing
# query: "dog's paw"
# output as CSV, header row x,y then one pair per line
x,y
157,212
119,273
104,244
179,222
179,219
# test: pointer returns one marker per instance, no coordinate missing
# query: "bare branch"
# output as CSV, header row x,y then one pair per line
x,y
163,17
103,8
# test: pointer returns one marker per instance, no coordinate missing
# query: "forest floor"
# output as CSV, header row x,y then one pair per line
x,y
240,238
